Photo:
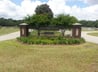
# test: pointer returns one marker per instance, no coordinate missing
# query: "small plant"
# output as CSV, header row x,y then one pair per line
x,y
50,40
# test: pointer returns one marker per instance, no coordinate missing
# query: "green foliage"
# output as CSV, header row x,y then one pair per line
x,y
9,22
44,18
41,20
44,9
37,21
65,21
89,23
51,40
93,34
6,30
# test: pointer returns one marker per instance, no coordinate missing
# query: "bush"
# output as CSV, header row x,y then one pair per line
x,y
51,40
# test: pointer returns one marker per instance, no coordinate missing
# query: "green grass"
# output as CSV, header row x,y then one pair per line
x,y
7,30
89,29
93,34
18,57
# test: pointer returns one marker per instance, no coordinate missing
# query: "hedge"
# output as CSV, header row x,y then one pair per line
x,y
50,40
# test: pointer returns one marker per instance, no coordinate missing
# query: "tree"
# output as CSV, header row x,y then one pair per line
x,y
41,18
37,21
96,23
9,22
89,23
64,22
44,17
44,9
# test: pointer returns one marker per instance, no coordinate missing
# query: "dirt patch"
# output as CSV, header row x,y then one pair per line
x,y
93,67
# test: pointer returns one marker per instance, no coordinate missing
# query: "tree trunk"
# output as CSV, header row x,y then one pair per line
x,y
63,32
38,32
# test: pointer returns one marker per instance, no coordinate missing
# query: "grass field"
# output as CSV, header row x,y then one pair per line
x,y
7,30
93,34
89,29
18,57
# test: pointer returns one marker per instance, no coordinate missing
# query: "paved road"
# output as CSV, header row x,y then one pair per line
x,y
87,37
10,36
90,38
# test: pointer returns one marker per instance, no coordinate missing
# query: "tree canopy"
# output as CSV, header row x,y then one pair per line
x,y
44,18
9,22
37,21
89,23
44,9
64,21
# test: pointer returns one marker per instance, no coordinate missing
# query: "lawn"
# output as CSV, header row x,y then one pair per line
x,y
7,30
89,29
18,57
93,34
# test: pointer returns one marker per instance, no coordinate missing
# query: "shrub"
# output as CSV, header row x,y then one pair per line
x,y
51,40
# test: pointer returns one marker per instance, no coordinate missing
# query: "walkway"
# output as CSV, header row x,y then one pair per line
x,y
10,36
90,38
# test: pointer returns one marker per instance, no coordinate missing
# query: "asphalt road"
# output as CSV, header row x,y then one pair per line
x,y
87,37
10,36
90,38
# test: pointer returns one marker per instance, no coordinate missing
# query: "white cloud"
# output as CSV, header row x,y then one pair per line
x,y
57,6
87,13
29,6
91,1
9,9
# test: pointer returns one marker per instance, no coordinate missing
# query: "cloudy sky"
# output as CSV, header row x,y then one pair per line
x,y
81,9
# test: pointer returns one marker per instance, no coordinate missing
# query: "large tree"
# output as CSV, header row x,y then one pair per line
x,y
44,9
44,17
41,18
64,22
37,21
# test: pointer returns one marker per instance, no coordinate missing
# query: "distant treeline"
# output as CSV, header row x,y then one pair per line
x,y
9,22
89,23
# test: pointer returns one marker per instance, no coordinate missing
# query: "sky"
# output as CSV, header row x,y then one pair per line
x,y
19,9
